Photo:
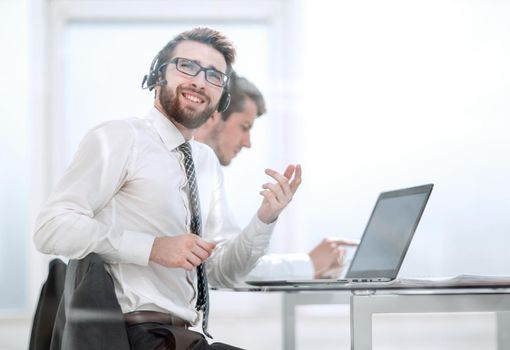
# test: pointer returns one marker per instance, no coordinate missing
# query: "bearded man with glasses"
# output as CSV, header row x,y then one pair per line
x,y
149,200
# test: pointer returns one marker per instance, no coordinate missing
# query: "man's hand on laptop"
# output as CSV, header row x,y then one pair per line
x,y
328,257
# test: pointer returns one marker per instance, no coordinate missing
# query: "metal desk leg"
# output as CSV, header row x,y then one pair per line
x,y
503,329
291,300
288,322
361,324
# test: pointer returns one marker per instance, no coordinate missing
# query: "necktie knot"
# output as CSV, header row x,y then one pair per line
x,y
185,148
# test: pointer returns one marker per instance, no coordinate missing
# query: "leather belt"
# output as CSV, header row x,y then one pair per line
x,y
137,317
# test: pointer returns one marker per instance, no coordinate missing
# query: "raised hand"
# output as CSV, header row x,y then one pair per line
x,y
186,251
278,195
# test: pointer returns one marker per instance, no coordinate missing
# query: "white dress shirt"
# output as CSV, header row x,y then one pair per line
x,y
126,186
282,266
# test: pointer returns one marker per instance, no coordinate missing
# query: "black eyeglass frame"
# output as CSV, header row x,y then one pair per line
x,y
205,70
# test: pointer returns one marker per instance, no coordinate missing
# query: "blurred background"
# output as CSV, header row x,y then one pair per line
x,y
367,95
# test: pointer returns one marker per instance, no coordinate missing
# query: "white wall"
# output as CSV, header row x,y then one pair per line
x,y
401,93
14,155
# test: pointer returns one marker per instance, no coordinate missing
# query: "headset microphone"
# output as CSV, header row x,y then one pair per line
x,y
144,81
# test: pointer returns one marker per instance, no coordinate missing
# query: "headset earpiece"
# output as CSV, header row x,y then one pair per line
x,y
224,101
225,98
152,80
155,75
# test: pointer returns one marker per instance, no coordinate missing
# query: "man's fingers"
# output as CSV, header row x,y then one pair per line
x,y
277,195
207,246
343,242
201,253
292,172
193,259
336,263
270,196
282,181
184,251
276,189
289,171
294,184
277,176
187,265
341,256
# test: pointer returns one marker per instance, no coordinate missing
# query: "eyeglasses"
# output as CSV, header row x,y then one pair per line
x,y
192,68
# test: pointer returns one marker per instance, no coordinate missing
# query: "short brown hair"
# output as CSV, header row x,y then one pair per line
x,y
203,35
240,89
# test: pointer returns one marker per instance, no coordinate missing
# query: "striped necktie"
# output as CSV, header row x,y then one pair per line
x,y
196,228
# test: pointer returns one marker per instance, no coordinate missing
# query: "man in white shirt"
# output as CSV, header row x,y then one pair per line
x,y
227,133
130,195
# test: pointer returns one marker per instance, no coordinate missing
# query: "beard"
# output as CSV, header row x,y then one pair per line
x,y
185,116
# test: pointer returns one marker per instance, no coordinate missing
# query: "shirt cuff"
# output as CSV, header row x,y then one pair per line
x,y
259,233
301,265
283,266
261,227
136,247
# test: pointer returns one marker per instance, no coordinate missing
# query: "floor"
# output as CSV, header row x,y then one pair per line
x,y
256,321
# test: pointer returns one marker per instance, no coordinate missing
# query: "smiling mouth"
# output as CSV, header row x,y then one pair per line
x,y
192,98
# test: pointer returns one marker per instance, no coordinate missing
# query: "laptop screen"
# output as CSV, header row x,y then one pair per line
x,y
388,233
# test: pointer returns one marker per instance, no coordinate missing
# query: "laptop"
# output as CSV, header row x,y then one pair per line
x,y
385,241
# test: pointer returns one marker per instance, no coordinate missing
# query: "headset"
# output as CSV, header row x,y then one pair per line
x,y
155,77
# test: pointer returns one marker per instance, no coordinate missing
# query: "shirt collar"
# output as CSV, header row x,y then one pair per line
x,y
171,136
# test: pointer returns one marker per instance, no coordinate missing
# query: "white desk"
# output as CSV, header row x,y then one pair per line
x,y
364,303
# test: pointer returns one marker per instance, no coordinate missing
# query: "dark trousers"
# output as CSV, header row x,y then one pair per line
x,y
155,336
